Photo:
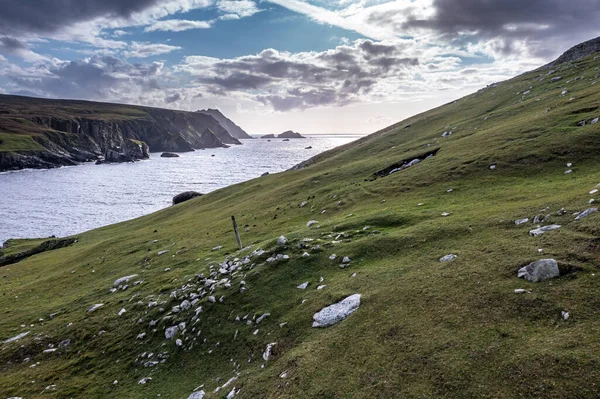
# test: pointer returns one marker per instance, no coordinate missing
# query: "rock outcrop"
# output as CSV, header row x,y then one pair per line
x,y
186,196
578,52
231,128
66,132
290,135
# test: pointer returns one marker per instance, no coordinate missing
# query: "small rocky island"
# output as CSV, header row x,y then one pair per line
x,y
285,135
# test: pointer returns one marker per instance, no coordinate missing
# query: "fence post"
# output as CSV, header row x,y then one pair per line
x,y
237,233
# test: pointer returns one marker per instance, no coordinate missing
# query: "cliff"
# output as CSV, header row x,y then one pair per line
x,y
40,133
233,129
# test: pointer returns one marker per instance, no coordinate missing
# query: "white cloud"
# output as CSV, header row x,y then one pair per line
x,y
178,25
241,8
143,49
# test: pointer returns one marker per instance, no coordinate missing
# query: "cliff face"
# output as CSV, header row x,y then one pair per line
x,y
231,128
69,132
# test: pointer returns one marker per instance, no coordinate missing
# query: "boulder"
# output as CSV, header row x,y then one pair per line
x,y
197,395
539,271
169,155
311,223
586,213
282,240
448,258
542,230
337,312
186,196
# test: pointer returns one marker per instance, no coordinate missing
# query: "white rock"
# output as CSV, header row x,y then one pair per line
x,y
445,214
337,312
16,338
303,204
50,350
594,191
303,285
231,394
542,230
267,353
94,307
539,271
306,255
282,240
217,248
492,167
163,252
122,280
321,287
565,315
261,318
171,332
197,395
521,221
144,380
520,291
448,258
353,275
568,172
332,257
283,375
178,342
141,336
121,312
311,223
595,120
346,259
212,299
586,213
569,165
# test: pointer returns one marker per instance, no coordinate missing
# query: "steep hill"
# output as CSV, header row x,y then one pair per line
x,y
40,133
233,129
183,310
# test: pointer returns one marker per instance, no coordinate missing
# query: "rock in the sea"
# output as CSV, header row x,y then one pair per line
x,y
186,196
586,213
337,312
539,271
169,155
542,230
448,258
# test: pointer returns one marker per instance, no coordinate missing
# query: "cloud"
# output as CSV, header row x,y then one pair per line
x,y
143,49
11,46
239,8
173,98
178,25
304,80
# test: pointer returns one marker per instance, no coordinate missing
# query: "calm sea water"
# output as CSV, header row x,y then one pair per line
x,y
70,200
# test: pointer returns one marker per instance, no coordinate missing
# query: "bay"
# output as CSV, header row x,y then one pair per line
x,y
70,200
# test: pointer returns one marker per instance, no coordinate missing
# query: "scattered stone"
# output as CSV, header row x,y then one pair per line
x,y
64,343
267,353
332,257
303,204
121,312
521,221
569,165
594,191
178,342
539,271
212,299
122,280
141,336
171,332
18,337
561,212
306,255
565,315
445,214
586,213
163,252
337,312
319,288
282,240
568,172
493,167
594,121
311,223
520,291
94,307
145,380
303,286
261,318
555,79
448,258
542,230
217,248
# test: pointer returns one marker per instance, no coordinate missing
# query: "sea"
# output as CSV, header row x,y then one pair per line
x,y
70,200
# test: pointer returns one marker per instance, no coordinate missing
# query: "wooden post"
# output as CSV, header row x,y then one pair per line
x,y
237,233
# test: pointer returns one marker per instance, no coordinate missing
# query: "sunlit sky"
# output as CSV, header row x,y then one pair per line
x,y
339,66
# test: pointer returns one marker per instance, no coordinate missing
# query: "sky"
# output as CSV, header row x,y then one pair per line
x,y
313,66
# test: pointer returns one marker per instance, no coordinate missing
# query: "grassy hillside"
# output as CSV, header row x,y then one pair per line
x,y
424,328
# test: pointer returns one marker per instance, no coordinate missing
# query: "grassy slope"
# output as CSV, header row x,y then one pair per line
x,y
424,329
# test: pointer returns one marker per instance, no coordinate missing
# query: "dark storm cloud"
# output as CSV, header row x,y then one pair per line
x,y
49,16
546,26
11,44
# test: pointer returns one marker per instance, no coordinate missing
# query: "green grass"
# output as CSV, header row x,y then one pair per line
x,y
18,142
424,329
